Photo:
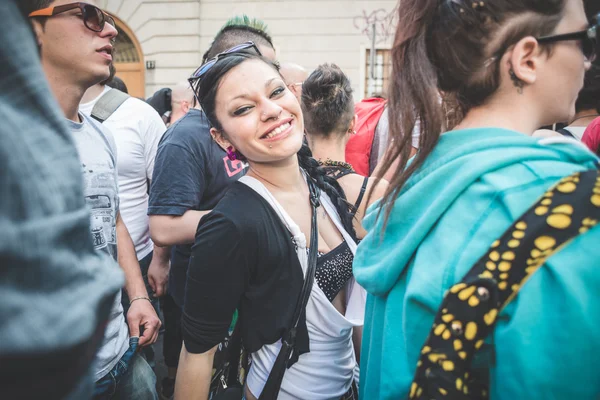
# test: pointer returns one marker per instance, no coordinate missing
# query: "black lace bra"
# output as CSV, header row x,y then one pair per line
x,y
334,270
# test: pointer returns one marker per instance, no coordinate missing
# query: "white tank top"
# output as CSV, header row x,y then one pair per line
x,y
327,371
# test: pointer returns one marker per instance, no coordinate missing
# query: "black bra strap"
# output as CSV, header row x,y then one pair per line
x,y
363,189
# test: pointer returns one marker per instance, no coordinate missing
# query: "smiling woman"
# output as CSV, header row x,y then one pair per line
x,y
244,259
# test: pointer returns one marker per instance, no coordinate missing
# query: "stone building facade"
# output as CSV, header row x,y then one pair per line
x,y
162,41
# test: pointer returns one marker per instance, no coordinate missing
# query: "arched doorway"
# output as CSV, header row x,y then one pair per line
x,y
129,60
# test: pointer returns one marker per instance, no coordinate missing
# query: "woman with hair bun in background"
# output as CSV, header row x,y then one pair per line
x,y
329,119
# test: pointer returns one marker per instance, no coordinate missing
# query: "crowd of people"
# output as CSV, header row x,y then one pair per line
x,y
289,242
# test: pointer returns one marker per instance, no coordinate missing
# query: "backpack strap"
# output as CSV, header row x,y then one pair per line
x,y
470,308
108,104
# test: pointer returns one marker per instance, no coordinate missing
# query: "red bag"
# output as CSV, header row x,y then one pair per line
x,y
358,149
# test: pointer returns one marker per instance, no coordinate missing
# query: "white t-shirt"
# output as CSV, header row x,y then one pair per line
x,y
137,129
381,140
98,154
327,371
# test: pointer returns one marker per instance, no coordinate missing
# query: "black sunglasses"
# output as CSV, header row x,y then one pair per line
x,y
93,17
194,80
204,68
589,40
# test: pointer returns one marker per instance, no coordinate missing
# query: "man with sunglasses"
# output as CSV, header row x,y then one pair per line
x,y
191,174
75,42
47,341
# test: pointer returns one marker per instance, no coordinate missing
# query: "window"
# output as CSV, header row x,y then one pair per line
x,y
377,85
125,49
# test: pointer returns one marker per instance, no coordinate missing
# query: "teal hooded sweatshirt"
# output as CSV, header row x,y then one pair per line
x,y
473,186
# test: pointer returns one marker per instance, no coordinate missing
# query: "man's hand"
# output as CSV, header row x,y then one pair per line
x,y
158,276
142,314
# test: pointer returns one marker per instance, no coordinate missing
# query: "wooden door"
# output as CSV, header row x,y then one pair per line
x,y
133,76
129,61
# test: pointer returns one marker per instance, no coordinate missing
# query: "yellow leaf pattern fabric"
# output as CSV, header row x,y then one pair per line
x,y
471,307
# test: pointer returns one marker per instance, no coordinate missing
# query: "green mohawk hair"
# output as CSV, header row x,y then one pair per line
x,y
244,20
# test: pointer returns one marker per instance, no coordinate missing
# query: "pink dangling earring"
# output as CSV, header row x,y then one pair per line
x,y
231,154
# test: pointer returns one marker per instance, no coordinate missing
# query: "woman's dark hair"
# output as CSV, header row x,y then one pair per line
x,y
208,84
330,186
327,102
118,83
589,96
206,91
450,49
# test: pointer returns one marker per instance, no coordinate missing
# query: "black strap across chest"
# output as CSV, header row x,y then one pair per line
x,y
470,308
288,342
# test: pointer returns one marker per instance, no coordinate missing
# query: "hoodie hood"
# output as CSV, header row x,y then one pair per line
x,y
459,159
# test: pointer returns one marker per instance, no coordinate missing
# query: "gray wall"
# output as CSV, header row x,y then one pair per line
x,y
175,33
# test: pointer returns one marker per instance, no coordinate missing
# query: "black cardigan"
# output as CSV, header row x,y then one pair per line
x,y
244,257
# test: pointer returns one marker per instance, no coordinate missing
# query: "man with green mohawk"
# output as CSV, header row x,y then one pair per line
x,y
191,174
238,30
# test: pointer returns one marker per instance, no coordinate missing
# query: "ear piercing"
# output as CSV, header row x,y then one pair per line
x,y
231,154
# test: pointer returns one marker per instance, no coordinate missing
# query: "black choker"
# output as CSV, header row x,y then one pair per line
x,y
337,164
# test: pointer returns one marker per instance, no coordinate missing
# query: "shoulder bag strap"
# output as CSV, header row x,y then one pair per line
x,y
108,104
273,384
470,308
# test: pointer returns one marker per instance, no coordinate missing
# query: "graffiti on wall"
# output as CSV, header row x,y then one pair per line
x,y
385,23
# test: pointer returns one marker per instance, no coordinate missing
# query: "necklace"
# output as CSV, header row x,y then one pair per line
x,y
339,164
586,116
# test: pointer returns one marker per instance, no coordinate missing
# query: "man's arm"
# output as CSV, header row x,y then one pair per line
x,y
169,230
194,374
178,184
158,271
141,313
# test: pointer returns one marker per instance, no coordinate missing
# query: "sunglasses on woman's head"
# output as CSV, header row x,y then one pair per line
x,y
204,68
194,80
93,18
588,38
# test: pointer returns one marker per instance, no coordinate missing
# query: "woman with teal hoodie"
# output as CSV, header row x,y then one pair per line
x,y
507,72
